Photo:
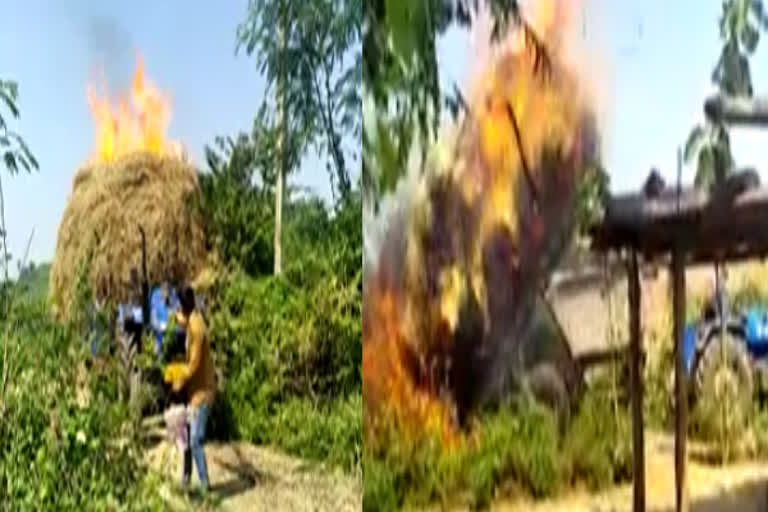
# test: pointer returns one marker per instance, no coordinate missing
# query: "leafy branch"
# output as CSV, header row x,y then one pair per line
x,y
708,144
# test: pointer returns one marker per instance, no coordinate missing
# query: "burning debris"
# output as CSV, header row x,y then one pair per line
x,y
447,307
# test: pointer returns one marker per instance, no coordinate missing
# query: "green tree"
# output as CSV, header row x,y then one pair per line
x,y
403,98
239,187
709,144
238,207
311,52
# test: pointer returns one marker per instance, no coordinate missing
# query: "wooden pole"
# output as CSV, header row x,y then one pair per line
x,y
681,387
638,441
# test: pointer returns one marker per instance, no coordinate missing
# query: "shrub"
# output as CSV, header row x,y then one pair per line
x,y
514,449
56,451
597,448
291,361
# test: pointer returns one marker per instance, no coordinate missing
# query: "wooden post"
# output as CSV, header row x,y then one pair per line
x,y
636,387
681,387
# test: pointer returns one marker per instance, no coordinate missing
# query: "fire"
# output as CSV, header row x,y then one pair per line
x,y
445,312
137,122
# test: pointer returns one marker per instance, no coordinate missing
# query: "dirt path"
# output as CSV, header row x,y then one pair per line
x,y
246,477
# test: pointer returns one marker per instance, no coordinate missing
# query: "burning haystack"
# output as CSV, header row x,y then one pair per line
x,y
447,306
135,179
108,204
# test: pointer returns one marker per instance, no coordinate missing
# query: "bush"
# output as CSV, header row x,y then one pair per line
x,y
515,449
291,360
597,448
288,348
57,452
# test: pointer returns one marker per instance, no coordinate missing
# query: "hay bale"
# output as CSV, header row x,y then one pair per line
x,y
108,204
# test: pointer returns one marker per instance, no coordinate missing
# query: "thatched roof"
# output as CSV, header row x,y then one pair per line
x,y
109,203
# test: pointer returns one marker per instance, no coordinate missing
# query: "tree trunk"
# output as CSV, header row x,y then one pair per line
x,y
280,158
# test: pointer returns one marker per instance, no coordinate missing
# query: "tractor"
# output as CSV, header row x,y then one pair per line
x,y
163,303
727,348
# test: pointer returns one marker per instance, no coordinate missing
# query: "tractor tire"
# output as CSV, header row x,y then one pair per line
x,y
548,387
724,381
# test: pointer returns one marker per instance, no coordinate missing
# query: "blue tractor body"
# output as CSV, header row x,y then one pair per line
x,y
747,334
130,319
756,331
751,328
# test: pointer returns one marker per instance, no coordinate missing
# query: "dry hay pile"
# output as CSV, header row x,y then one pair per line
x,y
108,204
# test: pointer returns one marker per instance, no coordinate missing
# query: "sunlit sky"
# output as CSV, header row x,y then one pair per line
x,y
52,48
656,58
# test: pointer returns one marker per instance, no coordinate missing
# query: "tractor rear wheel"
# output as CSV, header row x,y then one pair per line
x,y
724,387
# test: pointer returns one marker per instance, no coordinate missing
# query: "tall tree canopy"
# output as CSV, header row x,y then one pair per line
x,y
320,56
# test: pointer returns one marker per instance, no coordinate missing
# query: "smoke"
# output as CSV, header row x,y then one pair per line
x,y
110,51
391,217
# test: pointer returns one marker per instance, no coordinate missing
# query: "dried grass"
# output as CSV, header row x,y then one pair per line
x,y
108,204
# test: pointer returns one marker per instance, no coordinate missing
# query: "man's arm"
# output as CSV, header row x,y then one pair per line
x,y
195,334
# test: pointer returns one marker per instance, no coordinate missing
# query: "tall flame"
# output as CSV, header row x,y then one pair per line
x,y
137,122
446,308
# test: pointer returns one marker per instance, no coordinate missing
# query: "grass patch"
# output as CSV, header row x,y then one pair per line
x,y
514,450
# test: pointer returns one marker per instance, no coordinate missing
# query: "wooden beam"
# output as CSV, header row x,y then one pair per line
x,y
744,111
681,385
636,388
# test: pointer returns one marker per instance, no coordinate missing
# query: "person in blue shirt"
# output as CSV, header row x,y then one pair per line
x,y
160,308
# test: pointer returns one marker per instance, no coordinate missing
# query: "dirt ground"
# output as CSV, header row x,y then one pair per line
x,y
246,477
739,487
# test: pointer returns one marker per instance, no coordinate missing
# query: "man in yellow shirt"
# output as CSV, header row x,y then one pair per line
x,y
198,378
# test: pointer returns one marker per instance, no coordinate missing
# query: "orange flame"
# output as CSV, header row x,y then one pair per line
x,y
138,122
477,240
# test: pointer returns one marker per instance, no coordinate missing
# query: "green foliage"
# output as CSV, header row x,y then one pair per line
x,y
597,446
593,191
709,144
33,282
292,365
515,449
290,347
317,66
16,154
740,25
46,432
238,208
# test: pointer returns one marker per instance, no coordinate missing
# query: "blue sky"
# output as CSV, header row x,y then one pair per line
x,y
52,48
659,55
